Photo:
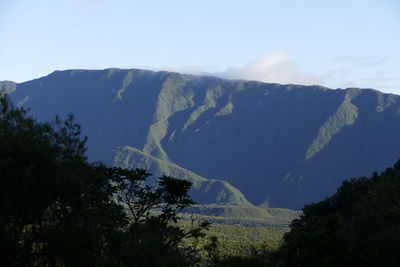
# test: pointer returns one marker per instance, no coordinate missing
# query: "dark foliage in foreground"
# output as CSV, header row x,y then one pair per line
x,y
57,209
357,226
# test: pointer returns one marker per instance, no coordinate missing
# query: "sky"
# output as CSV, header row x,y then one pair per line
x,y
338,43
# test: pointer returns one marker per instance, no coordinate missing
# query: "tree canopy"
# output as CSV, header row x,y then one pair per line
x,y
58,209
358,226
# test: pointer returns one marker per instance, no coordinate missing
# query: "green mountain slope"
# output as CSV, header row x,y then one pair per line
x,y
220,201
286,145
203,191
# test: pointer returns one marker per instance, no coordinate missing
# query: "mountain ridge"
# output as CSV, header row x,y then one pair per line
x,y
283,144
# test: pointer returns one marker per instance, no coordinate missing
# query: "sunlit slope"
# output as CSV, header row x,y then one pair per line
x,y
204,191
220,201
285,144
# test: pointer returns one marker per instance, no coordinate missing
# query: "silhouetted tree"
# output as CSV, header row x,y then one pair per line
x,y
57,209
357,226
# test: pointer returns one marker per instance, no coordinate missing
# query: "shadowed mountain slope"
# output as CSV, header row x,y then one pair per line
x,y
204,191
285,144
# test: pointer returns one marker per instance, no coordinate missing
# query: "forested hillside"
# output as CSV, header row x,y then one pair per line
x,y
285,145
58,209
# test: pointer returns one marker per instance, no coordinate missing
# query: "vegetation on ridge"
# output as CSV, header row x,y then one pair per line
x,y
276,143
358,226
57,209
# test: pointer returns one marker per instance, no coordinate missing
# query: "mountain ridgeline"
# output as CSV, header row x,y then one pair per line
x,y
239,142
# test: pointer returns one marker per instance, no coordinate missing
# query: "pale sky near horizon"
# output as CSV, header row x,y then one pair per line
x,y
337,44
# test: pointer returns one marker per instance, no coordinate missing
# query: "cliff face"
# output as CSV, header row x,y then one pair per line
x,y
285,144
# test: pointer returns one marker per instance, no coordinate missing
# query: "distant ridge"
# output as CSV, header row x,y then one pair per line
x,y
286,145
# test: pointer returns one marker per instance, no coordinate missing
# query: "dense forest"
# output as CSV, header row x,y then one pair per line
x,y
58,209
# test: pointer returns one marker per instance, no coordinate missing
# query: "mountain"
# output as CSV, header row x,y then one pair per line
x,y
204,191
281,145
7,86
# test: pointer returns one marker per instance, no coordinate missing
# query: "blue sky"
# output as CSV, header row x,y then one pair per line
x,y
333,43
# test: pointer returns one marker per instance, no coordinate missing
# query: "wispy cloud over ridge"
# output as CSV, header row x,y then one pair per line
x,y
275,67
339,72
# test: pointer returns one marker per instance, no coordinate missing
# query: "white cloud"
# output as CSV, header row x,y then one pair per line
x,y
377,72
340,72
275,67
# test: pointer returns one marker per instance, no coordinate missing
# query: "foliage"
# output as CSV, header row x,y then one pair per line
x,y
357,226
57,209
244,214
237,245
235,240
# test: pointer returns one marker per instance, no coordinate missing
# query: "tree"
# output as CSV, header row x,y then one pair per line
x,y
57,209
358,226
153,212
